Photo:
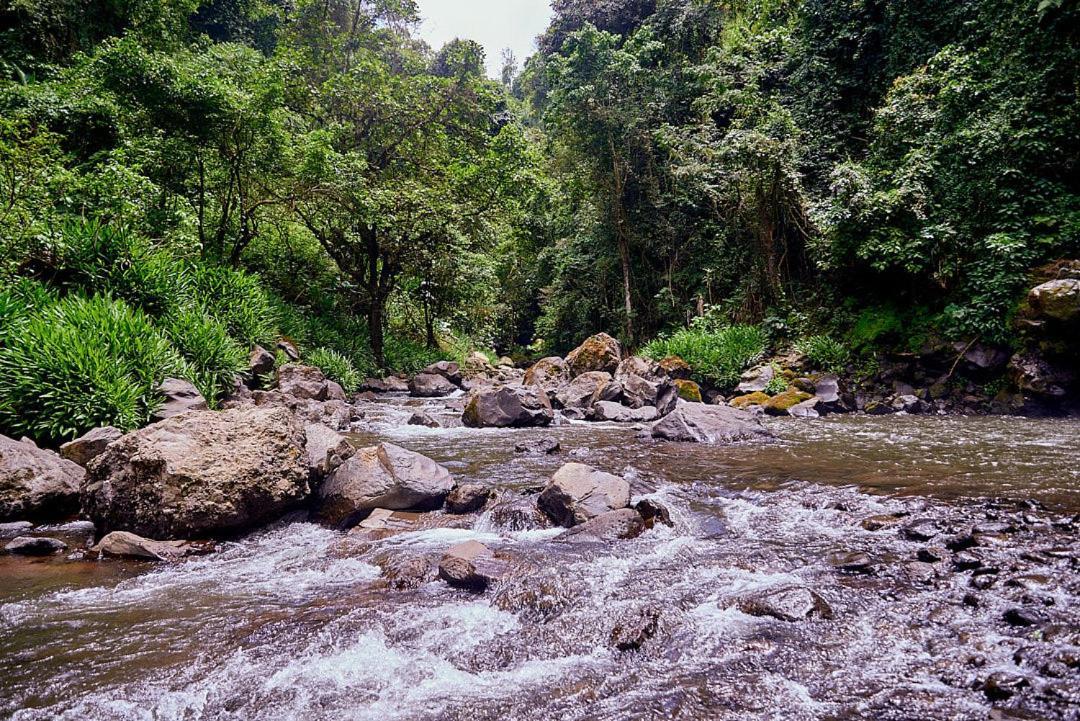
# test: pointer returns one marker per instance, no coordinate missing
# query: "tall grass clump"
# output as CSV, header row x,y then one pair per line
x,y
80,363
237,300
824,353
336,367
408,356
215,360
18,303
718,357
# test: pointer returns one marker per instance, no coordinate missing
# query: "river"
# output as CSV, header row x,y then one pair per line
x,y
957,599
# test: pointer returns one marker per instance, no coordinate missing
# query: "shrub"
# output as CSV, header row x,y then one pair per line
x,y
238,301
408,356
337,368
82,363
824,353
18,303
718,357
215,359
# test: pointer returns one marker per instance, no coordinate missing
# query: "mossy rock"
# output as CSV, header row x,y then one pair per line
x,y
750,399
688,390
676,368
781,404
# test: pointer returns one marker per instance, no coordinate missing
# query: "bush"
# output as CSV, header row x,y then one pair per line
x,y
336,367
718,357
18,303
215,359
82,363
824,353
238,301
407,356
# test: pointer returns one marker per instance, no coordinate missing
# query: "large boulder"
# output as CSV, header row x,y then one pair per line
x,y
700,423
640,392
383,476
1034,374
578,492
1056,300
549,374
601,352
579,394
507,407
688,390
36,483
618,413
431,385
200,474
780,404
303,382
447,369
180,396
676,368
90,445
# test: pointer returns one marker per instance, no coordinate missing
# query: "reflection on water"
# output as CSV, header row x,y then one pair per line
x,y
298,622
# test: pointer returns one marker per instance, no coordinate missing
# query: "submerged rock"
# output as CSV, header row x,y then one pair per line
x,y
621,524
199,474
786,604
700,423
600,352
422,418
89,446
507,407
635,628
383,476
578,492
34,546
473,566
541,446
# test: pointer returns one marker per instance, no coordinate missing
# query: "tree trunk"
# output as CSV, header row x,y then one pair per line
x,y
375,331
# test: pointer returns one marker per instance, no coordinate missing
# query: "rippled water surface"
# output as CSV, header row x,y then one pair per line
x,y
302,622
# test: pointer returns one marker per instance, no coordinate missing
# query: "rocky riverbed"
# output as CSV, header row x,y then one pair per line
x,y
856,567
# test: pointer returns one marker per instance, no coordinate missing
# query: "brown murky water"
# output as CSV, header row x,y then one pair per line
x,y
296,623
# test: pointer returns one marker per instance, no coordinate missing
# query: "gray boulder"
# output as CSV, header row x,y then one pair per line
x,y
756,379
34,546
617,525
578,395
700,423
601,352
617,413
121,544
180,397
391,384
303,382
578,492
198,474
431,385
89,446
383,476
422,418
326,448
447,369
36,483
507,407
549,374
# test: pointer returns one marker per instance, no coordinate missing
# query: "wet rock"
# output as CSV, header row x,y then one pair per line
x,y
779,405
473,566
601,352
383,476
391,384
676,368
910,404
700,423
180,396
548,374
36,483
34,546
921,529
86,448
421,418
919,572
538,447
326,448
121,544
688,390
447,369
578,492
15,528
635,628
431,385
507,407
1057,300
616,413
1023,617
1003,685
852,562
622,524
653,512
512,512
966,562
876,523
407,571
303,382
468,498
1033,374
806,409
579,394
261,362
756,379
878,408
198,474
334,392
786,604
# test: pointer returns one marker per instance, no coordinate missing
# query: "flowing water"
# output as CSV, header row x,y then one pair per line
x,y
302,622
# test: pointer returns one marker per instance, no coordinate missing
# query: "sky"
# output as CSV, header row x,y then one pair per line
x,y
495,24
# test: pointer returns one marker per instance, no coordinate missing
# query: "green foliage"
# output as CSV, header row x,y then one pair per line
x,y
777,384
336,367
214,359
81,363
718,357
409,356
824,353
237,300
18,303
